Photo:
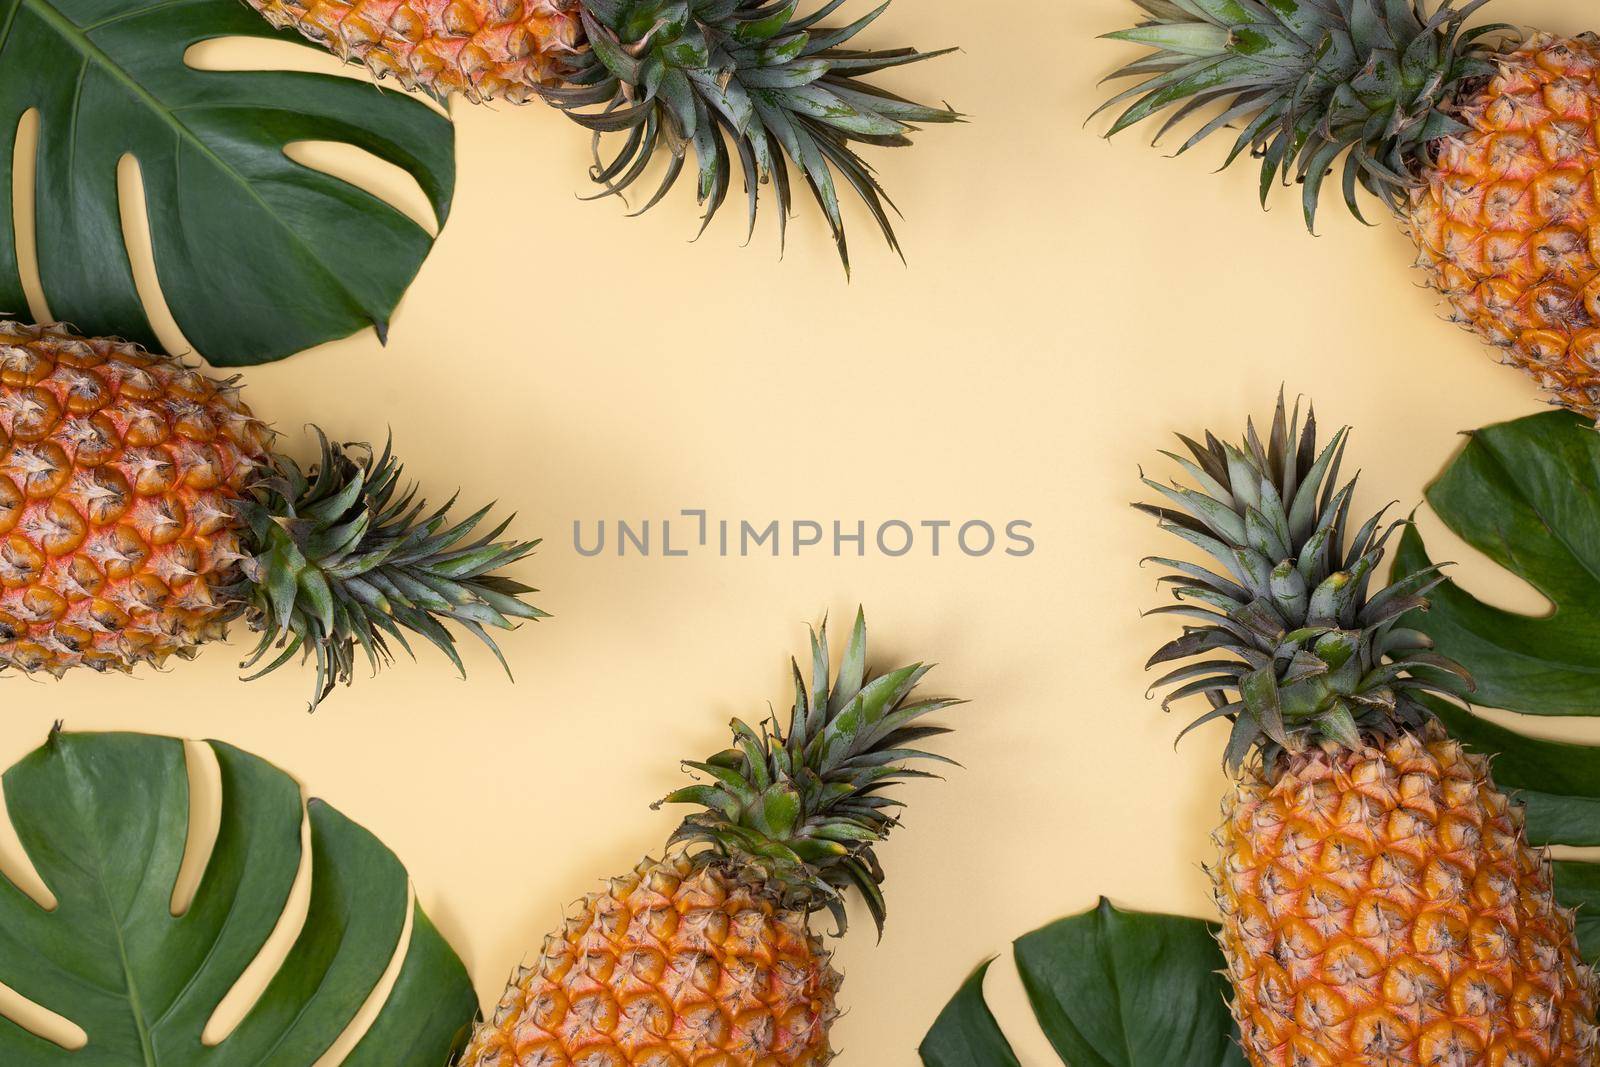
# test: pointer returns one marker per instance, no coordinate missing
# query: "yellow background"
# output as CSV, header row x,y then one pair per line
x,y
1068,303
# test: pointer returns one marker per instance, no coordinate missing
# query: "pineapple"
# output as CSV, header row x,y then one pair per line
x,y
707,956
486,50
1380,903
672,75
1483,142
142,509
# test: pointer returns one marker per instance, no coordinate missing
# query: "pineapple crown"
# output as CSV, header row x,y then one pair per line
x,y
800,812
1309,654
342,557
676,74
1306,80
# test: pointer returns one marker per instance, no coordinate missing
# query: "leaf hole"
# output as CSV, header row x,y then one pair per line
x,y
247,54
1479,575
1573,854
33,1017
24,207
1008,999
1572,729
233,1007
373,1005
241,54
135,216
205,821
356,166
17,868
41,1021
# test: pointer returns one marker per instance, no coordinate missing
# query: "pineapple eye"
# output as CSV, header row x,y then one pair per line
x,y
34,413
147,427
85,392
22,365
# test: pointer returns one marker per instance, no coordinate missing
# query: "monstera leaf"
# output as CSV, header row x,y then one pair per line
x,y
257,255
104,818
1527,494
966,1033
1110,988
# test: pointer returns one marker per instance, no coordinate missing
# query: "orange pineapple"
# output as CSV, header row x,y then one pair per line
x,y
744,84
707,957
142,509
1483,143
1507,220
119,471
503,49
668,965
1380,902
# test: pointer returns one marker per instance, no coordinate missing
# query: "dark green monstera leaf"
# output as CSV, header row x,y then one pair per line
x,y
1526,494
258,256
1109,988
966,1033
104,818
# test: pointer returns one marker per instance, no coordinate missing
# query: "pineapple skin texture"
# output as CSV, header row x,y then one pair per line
x,y
118,469
669,966
1384,907
482,49
1507,219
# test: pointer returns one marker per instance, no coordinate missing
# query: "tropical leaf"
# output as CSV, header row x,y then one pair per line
x,y
1110,988
258,256
1580,888
1526,494
104,818
966,1033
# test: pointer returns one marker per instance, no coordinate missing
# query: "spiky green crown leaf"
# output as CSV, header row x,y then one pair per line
x,y
1289,641
1305,80
799,811
343,557
673,76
